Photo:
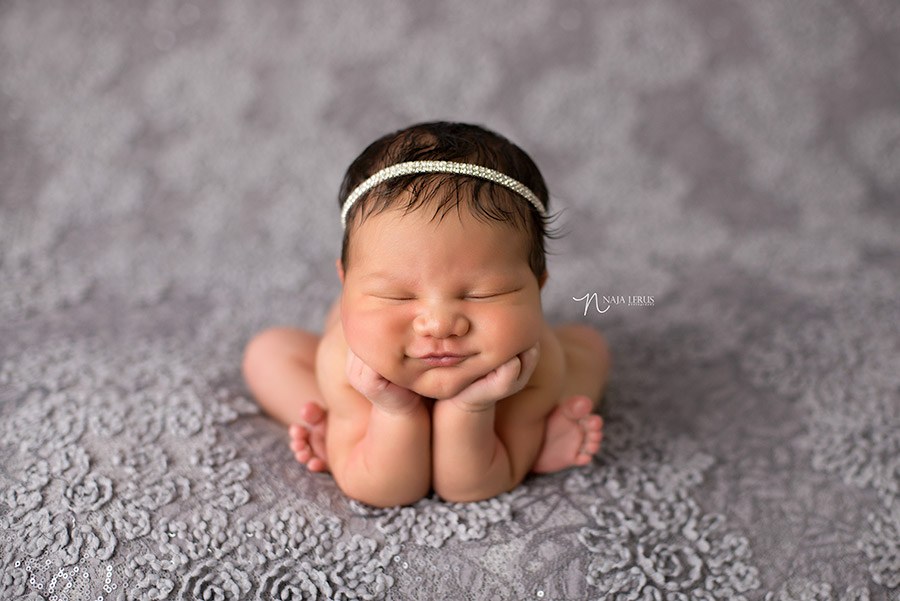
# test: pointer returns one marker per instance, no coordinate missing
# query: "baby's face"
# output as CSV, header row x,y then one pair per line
x,y
433,305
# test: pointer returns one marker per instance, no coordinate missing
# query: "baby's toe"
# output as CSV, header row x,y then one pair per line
x,y
297,431
578,407
593,423
316,465
583,459
590,447
594,436
312,413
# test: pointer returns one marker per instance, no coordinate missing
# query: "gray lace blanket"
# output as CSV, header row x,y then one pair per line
x,y
727,175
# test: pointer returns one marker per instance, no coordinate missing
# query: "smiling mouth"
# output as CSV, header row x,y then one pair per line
x,y
446,360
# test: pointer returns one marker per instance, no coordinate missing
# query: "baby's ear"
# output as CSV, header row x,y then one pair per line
x,y
543,279
340,269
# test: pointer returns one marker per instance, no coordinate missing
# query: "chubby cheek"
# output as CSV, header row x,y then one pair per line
x,y
512,332
376,338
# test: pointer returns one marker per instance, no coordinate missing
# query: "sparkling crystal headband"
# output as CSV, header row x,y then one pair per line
x,y
414,167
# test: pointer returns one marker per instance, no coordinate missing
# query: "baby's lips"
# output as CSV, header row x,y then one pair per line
x,y
447,360
421,353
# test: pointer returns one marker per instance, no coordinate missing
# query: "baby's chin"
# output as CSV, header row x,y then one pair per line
x,y
439,386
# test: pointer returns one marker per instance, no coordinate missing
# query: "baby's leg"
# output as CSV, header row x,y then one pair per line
x,y
573,434
279,367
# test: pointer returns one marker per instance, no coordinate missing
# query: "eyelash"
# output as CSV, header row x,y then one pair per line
x,y
466,297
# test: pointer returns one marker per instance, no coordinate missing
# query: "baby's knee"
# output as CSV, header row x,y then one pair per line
x,y
595,341
585,337
264,349
273,350
585,346
259,352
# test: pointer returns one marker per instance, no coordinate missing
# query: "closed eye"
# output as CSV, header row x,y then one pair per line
x,y
395,297
489,295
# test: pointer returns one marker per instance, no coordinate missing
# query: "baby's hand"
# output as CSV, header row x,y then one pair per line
x,y
383,393
506,380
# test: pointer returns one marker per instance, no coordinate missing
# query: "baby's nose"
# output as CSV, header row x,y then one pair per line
x,y
440,322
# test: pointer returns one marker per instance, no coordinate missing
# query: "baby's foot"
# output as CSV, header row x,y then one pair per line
x,y
308,439
572,436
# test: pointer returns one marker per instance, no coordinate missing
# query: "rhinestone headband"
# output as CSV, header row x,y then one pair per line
x,y
414,167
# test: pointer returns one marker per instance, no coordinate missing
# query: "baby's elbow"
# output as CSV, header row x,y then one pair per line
x,y
380,490
468,496
385,497
472,494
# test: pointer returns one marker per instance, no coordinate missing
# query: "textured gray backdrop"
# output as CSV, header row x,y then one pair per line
x,y
169,173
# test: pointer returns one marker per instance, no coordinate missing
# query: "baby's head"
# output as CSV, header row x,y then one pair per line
x,y
440,193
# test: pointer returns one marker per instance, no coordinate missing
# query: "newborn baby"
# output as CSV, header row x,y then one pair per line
x,y
436,369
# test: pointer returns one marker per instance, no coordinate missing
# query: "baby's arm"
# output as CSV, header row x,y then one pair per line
x,y
379,435
484,449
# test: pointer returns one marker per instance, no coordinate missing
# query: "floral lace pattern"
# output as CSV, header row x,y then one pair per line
x,y
167,171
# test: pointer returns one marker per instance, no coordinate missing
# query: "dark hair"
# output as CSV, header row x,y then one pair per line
x,y
460,142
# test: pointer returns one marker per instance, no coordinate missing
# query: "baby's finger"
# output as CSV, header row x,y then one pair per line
x,y
529,362
354,365
362,377
502,382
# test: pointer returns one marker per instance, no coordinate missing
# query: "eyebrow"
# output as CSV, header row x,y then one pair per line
x,y
383,276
